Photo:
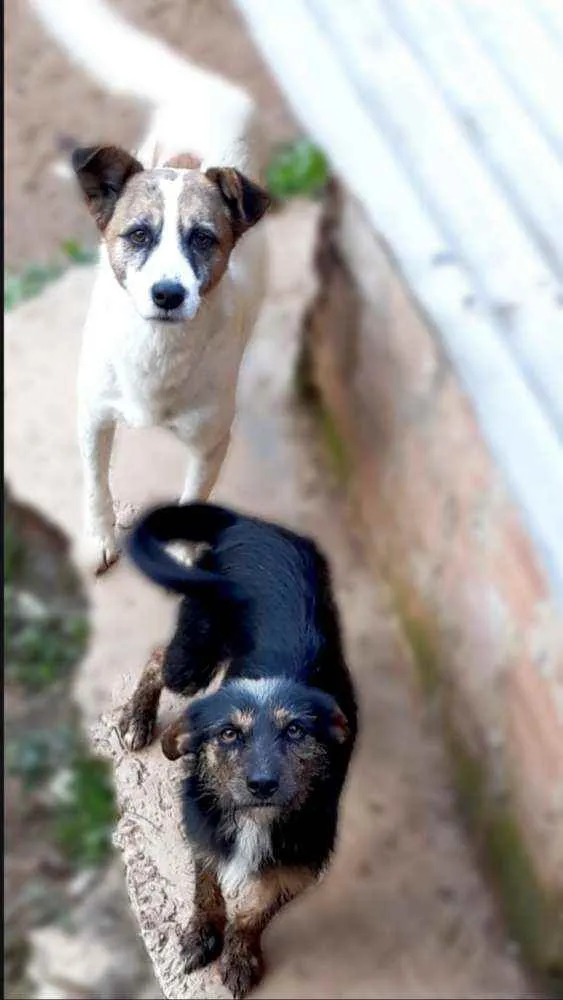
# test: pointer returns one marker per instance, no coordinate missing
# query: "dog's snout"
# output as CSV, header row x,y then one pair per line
x,y
168,294
262,786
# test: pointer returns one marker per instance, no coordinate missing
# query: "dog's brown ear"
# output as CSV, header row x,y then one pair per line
x,y
245,200
102,173
175,739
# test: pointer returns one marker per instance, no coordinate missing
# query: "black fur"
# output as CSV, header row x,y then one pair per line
x,y
261,598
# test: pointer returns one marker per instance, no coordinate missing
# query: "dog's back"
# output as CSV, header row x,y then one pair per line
x,y
263,592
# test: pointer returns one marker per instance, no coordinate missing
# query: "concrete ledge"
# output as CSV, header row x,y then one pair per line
x,y
158,861
473,597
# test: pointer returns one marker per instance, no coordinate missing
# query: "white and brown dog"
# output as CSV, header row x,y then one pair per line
x,y
179,281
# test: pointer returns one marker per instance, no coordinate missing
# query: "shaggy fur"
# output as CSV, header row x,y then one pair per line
x,y
268,738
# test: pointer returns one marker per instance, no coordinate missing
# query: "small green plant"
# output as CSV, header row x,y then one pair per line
x,y
41,651
35,756
13,553
85,817
299,168
35,277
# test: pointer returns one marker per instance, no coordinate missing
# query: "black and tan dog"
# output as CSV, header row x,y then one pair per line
x,y
268,743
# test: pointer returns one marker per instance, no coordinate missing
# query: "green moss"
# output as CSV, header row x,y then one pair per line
x,y
40,652
425,654
335,446
45,637
305,387
534,918
26,284
13,553
308,394
297,168
85,818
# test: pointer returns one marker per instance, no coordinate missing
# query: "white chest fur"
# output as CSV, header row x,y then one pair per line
x,y
145,373
253,845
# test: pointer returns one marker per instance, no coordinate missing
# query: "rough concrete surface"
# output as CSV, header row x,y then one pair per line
x,y
404,912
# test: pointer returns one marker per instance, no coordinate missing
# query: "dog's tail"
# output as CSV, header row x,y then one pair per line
x,y
195,111
195,522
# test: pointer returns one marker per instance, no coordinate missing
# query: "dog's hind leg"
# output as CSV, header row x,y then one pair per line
x,y
99,547
138,717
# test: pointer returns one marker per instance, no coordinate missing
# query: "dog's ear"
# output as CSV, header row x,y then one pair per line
x,y
175,739
245,200
339,727
336,722
102,173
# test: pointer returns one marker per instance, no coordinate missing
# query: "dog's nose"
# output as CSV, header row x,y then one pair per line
x,y
168,294
262,788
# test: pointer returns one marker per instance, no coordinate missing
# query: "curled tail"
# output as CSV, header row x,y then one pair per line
x,y
196,522
193,109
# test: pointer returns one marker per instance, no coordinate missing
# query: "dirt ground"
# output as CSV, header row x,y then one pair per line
x,y
407,912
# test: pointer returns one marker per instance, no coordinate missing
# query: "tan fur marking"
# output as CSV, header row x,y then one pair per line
x,y
201,203
139,714
201,941
209,903
142,200
243,720
174,740
282,717
263,897
241,964
184,161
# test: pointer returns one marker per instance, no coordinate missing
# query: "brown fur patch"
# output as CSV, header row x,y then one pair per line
x,y
246,201
200,203
264,896
174,739
242,720
202,940
141,202
208,898
184,161
282,717
139,714
242,965
219,765
103,173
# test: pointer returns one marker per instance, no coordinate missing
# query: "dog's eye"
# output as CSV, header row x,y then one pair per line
x,y
139,237
228,734
202,240
294,731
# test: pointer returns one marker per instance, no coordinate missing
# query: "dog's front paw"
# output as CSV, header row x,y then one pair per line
x,y
201,944
241,967
135,728
98,552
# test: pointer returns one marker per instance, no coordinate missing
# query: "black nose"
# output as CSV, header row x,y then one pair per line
x,y
168,294
262,788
